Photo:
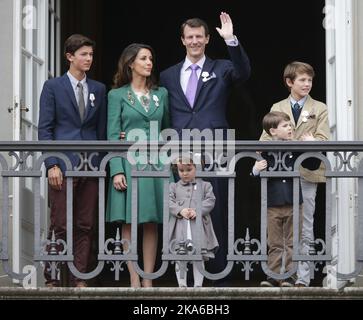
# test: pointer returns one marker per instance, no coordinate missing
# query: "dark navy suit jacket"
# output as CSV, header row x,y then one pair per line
x,y
59,117
280,190
210,104
209,112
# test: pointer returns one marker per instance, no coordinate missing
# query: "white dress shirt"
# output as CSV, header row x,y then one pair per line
x,y
186,71
74,83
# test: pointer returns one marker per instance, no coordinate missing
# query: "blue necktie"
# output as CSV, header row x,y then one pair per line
x,y
296,110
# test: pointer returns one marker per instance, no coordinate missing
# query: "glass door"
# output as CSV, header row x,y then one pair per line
x,y
36,48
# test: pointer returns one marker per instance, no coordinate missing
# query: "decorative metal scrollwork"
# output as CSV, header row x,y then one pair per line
x,y
20,160
280,161
51,246
85,162
117,242
119,249
247,242
345,161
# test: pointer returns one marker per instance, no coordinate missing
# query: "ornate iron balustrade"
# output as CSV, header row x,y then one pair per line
x,y
246,251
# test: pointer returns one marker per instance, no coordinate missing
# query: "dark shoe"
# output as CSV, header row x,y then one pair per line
x,y
270,283
289,282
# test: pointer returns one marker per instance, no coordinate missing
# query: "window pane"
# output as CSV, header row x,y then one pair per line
x,y
23,25
35,26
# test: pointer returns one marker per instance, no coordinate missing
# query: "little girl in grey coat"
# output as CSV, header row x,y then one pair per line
x,y
183,201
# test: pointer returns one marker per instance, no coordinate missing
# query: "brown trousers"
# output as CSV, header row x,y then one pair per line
x,y
280,236
85,207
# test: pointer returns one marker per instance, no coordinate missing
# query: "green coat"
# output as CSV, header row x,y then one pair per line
x,y
126,113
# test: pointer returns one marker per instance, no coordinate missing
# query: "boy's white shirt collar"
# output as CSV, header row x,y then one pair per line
x,y
301,102
74,81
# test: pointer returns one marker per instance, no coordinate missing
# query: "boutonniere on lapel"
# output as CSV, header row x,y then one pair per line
x,y
130,97
92,98
305,115
156,100
206,76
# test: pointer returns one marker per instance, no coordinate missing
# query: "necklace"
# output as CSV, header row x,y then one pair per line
x,y
144,98
145,101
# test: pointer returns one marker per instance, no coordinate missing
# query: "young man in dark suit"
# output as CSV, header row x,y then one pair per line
x,y
198,90
73,107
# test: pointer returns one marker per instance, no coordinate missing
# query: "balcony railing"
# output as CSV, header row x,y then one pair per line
x,y
26,159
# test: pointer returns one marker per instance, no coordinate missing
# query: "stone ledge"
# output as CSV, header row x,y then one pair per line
x,y
182,293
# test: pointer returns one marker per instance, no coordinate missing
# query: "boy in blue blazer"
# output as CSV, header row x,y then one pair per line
x,y
73,107
280,197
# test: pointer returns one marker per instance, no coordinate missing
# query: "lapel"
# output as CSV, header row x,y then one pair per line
x,y
208,66
91,89
153,106
286,107
308,106
68,87
176,76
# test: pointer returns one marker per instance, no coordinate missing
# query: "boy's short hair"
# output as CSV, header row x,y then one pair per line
x,y
194,23
76,41
272,119
293,69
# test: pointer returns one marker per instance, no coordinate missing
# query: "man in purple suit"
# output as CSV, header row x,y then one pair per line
x,y
73,107
198,90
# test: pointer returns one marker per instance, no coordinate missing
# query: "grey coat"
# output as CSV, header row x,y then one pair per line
x,y
184,195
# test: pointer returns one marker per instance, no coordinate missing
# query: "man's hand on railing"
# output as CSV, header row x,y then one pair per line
x,y
119,182
55,177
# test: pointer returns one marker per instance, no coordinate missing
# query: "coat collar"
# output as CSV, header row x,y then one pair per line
x,y
69,89
207,67
91,89
181,94
193,182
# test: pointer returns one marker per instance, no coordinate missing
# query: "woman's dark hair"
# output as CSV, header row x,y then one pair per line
x,y
123,75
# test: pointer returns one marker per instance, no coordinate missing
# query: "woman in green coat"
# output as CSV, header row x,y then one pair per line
x,y
136,103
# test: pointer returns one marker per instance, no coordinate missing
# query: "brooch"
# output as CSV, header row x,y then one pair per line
x,y
130,97
156,100
92,99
